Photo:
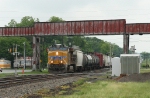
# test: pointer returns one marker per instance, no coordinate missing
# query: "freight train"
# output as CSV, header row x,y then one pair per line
x,y
63,58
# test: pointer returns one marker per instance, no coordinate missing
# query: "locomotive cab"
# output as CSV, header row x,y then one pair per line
x,y
57,57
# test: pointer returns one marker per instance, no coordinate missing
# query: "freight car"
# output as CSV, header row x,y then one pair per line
x,y
5,63
106,61
62,58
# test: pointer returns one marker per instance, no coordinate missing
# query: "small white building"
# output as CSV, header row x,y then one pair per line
x,y
116,66
20,62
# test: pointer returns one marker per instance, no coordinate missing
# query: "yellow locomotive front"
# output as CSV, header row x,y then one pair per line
x,y
58,57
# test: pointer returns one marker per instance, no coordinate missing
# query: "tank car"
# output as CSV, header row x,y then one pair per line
x,y
92,60
5,63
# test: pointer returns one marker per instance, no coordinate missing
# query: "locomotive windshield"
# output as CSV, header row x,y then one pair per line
x,y
58,47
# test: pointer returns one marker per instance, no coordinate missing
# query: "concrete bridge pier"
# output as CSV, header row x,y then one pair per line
x,y
126,38
36,53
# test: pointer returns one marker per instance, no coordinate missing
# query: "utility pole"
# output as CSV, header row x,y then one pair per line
x,y
110,55
42,54
15,53
24,55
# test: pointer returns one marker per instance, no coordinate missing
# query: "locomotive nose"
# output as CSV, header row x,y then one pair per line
x,y
56,59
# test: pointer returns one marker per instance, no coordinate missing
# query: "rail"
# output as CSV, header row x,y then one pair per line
x,y
15,81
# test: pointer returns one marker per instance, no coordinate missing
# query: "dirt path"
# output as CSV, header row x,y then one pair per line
x,y
142,77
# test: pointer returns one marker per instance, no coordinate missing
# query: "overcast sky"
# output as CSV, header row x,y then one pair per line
x,y
134,11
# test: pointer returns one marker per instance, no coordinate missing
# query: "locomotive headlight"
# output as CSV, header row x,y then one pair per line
x,y
61,61
51,61
56,53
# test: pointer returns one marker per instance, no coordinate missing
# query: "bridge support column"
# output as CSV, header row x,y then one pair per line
x,y
126,38
36,53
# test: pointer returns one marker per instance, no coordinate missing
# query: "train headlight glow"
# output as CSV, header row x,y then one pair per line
x,y
56,53
51,61
61,61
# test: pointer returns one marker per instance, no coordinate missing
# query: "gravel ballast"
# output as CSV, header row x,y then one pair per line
x,y
18,91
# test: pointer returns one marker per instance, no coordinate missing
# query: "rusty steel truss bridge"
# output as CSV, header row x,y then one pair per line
x,y
84,28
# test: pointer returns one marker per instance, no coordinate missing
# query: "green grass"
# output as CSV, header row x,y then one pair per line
x,y
3,75
79,82
109,89
143,64
144,70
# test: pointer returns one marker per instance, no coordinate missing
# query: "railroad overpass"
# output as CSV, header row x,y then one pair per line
x,y
84,27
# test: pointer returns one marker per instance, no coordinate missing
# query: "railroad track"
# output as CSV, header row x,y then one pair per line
x,y
27,79
15,81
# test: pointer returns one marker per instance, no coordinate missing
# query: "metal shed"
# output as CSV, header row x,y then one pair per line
x,y
130,63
